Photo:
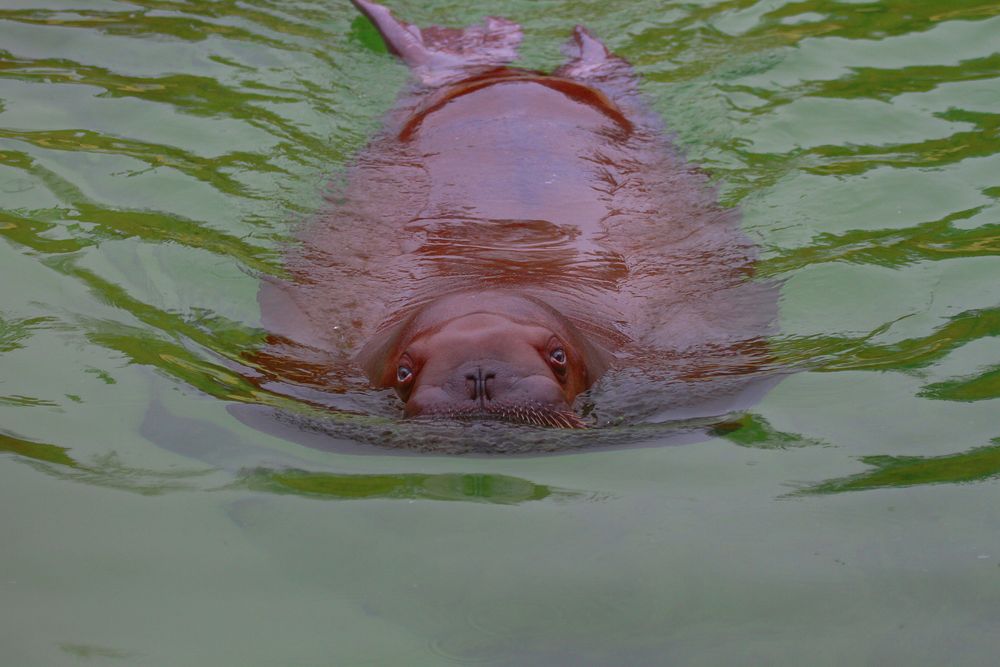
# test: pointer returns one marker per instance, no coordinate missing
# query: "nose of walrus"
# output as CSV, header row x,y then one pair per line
x,y
481,386
491,382
484,381
493,389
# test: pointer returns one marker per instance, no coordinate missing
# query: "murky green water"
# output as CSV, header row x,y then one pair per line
x,y
153,156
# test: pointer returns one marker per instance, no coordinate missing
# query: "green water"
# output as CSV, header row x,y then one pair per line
x,y
154,154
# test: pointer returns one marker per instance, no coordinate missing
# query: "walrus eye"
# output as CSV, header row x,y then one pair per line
x,y
404,374
558,358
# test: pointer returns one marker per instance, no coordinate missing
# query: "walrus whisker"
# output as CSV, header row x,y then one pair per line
x,y
513,413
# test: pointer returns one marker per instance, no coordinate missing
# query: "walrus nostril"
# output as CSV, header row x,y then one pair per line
x,y
476,388
481,387
488,382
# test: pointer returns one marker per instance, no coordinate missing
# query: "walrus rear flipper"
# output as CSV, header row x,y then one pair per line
x,y
588,56
590,61
438,54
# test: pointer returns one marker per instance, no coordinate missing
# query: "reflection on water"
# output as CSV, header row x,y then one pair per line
x,y
499,489
902,471
35,450
937,240
156,155
755,431
843,354
91,651
108,471
981,387
104,470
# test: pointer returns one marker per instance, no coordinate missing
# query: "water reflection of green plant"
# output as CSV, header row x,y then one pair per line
x,y
108,471
485,488
900,471
936,240
981,387
755,432
834,353
105,470
890,471
94,223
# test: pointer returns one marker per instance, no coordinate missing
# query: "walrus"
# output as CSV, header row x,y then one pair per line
x,y
510,238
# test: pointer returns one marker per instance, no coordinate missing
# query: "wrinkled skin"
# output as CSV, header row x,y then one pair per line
x,y
510,238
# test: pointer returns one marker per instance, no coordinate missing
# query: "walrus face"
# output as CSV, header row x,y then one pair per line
x,y
484,364
511,364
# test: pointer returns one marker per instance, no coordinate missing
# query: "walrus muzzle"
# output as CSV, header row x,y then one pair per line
x,y
495,390
485,355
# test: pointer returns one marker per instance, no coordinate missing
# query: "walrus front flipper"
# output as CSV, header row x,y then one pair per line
x,y
437,54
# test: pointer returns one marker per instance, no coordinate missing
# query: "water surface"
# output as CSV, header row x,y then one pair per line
x,y
155,155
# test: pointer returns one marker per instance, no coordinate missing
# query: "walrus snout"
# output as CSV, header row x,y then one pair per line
x,y
480,381
480,386
486,387
494,355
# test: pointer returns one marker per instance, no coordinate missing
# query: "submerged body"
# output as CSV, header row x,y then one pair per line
x,y
508,238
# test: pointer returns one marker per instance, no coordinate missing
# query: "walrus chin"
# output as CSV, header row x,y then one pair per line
x,y
514,413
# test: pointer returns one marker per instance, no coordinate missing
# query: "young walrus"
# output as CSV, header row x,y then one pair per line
x,y
510,236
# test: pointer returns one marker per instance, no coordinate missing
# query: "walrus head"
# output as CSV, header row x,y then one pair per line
x,y
486,356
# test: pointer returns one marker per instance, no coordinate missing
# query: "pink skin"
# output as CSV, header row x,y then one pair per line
x,y
484,355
